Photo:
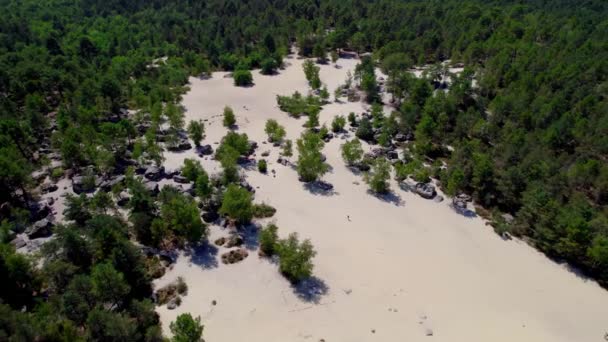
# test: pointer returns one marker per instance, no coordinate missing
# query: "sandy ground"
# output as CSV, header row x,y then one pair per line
x,y
401,268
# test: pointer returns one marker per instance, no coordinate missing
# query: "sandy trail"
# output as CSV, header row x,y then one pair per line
x,y
397,270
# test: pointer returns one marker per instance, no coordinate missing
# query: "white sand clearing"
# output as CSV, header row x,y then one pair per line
x,y
401,269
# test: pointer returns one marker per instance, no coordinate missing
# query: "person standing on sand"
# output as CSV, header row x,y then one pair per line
x,y
348,218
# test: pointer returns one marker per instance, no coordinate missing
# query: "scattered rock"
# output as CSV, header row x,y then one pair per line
x,y
282,161
214,302
48,187
107,185
392,155
204,150
459,205
265,154
221,241
438,199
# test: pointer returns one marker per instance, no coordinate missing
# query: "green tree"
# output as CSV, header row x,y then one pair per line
x,y
352,152
287,150
196,131
108,285
365,130
203,185
185,328
274,130
378,177
192,169
269,239
295,258
310,164
229,117
338,123
242,78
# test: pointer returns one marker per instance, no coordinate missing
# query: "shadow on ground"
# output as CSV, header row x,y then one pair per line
x,y
204,255
389,197
310,290
320,188
249,233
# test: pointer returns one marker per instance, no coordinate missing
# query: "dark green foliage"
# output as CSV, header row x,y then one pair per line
x,y
179,218
529,139
269,66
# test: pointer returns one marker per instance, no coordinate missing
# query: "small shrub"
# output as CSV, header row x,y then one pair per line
x,y
262,166
263,210
269,239
337,125
229,117
182,287
242,78
57,173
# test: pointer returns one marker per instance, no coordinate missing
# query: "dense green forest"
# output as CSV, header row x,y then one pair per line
x,y
527,120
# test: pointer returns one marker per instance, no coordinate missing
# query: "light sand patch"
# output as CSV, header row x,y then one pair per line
x,y
400,268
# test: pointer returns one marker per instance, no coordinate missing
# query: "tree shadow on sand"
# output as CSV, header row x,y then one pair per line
x,y
249,233
389,197
204,255
320,188
310,290
466,212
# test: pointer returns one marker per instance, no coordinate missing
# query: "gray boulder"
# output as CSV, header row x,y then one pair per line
x,y
42,228
425,190
180,179
204,150
154,173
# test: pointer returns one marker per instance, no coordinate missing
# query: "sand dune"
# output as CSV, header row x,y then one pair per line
x,y
401,268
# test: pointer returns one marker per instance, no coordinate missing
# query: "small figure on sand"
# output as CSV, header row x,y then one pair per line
x,y
348,217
